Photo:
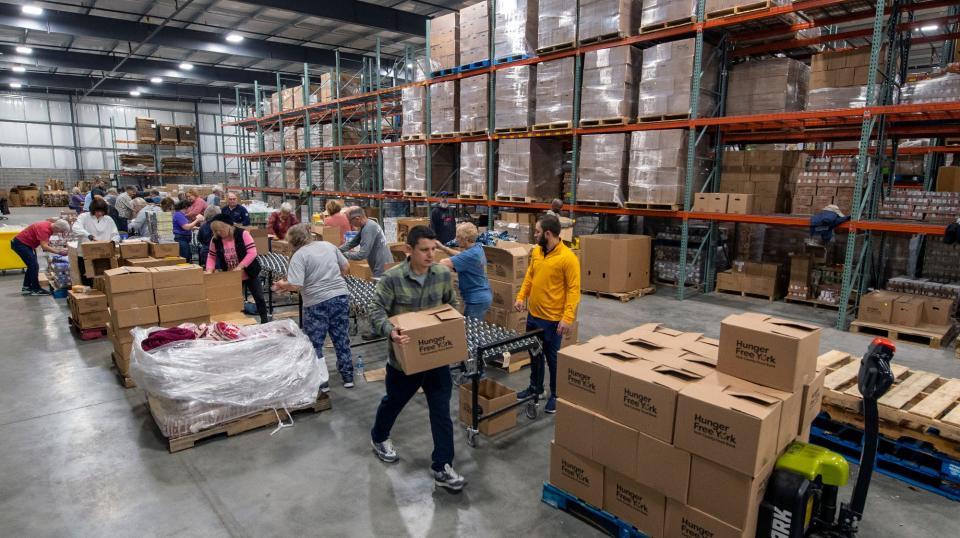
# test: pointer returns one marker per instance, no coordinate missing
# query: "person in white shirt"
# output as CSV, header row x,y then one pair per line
x,y
96,225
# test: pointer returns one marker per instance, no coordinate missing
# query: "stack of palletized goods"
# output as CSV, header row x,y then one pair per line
x,y
554,94
666,81
445,41
473,104
473,169
529,169
393,169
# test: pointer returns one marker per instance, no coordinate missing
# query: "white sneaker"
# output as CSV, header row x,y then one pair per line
x,y
449,479
385,451
348,385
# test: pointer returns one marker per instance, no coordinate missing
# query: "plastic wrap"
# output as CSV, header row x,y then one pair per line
x,y
658,167
271,140
413,104
608,18
938,89
274,175
393,168
657,12
515,92
444,116
473,168
327,91
666,76
554,95
473,104
291,174
316,176
610,79
602,168
529,168
515,32
353,177
415,167
290,139
767,86
829,98
445,41
201,383
474,34
557,23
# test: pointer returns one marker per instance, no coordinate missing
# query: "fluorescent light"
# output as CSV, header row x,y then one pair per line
x,y
186,66
19,69
929,28
32,10
135,93
156,80
16,85
234,37
24,50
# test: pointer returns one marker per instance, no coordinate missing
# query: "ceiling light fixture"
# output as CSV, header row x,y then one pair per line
x,y
16,85
156,80
19,69
234,37
32,10
929,28
186,66
24,50
135,93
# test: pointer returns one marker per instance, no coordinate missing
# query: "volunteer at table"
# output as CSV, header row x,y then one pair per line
x,y
140,224
233,249
25,245
183,226
96,225
337,217
470,266
237,212
196,203
280,221
370,239
205,233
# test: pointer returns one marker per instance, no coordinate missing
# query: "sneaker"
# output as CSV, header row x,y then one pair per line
x,y
40,291
526,393
26,291
366,337
448,478
551,406
325,388
385,451
348,384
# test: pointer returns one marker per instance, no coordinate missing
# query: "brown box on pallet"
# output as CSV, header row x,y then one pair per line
x,y
97,250
132,299
599,18
730,281
179,294
812,399
663,467
576,474
176,275
168,133
937,310
91,301
133,317
164,250
507,262
492,396
134,249
584,374
877,306
739,504
740,204
123,279
948,179
183,311
686,521
615,263
92,320
907,310
146,129
633,502
769,351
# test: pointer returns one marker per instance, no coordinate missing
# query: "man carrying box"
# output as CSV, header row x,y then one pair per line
x,y
414,285
552,284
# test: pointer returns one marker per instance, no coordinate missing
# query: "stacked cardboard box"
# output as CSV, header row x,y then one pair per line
x,y
765,174
658,167
168,133
838,78
413,106
750,277
473,104
187,134
180,295
224,292
445,41
442,166
928,206
767,86
554,95
529,168
602,168
393,168
474,33
666,76
492,396
98,257
473,168
906,309
444,108
290,139
557,24
515,32
88,309
506,267
653,422
608,19
515,92
657,12
801,269
615,263
826,181
610,78
146,129
131,304
521,232
329,90
710,202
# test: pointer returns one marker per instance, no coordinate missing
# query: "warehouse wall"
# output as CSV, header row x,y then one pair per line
x,y
51,136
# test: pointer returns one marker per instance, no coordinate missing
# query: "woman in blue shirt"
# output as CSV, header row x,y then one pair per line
x,y
183,229
470,265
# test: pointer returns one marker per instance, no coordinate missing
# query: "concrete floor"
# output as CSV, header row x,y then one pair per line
x,y
80,456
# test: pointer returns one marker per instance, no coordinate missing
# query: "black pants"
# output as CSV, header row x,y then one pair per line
x,y
252,285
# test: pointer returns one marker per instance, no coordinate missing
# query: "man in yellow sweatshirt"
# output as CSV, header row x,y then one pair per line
x,y
552,285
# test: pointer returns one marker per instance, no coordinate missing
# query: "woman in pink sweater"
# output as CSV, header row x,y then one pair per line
x,y
197,204
233,249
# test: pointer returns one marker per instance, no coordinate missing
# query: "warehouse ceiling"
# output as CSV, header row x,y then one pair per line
x,y
120,45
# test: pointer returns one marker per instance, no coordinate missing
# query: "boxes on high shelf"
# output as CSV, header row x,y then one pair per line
x,y
557,23
841,69
515,91
529,168
610,78
554,92
444,108
290,140
658,167
473,168
665,80
710,202
187,134
445,41
602,168
393,168
146,129
442,165
474,33
329,89
657,12
615,263
473,104
767,86
608,19
515,31
413,107
948,179
739,504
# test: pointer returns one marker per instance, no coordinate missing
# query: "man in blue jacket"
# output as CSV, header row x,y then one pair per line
x,y
823,223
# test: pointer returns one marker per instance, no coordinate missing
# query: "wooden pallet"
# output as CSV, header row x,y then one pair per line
x,y
815,303
556,48
472,196
935,336
267,417
920,404
508,130
597,203
553,126
392,192
663,117
472,133
524,199
736,10
666,24
415,194
668,282
770,298
89,333
407,138
625,297
619,120
125,380
517,363
646,205
604,37
444,135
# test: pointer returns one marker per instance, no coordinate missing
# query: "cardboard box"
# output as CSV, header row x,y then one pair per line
x,y
740,204
330,234
95,267
404,225
688,522
937,310
948,179
437,338
717,202
164,250
224,279
812,398
176,275
577,475
615,263
225,306
663,467
134,249
283,248
131,299
183,311
133,317
769,351
260,238
583,375
508,318
614,445
97,250
154,262
739,503
195,320
877,306
634,503
123,279
730,280
491,397
179,294
92,320
121,336
91,301
574,427
361,269
504,293
907,310
507,262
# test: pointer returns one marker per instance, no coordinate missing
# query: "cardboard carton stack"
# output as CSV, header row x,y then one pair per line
x,y
473,104
751,277
838,78
393,168
615,263
657,12
442,166
554,95
98,257
131,304
519,226
413,106
767,86
557,25
665,81
652,423
602,168
444,108
492,396
764,174
404,225
88,310
608,19
445,41
907,310
529,168
658,167
928,206
474,33
515,32
146,129
610,78
506,266
515,92
329,90
473,169
826,181
801,268
224,292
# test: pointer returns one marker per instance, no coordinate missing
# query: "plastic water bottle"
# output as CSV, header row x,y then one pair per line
x,y
359,369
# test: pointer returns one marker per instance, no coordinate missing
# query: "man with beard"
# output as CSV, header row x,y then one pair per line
x,y
552,285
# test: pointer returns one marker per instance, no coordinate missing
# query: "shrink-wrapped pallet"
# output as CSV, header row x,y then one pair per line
x,y
658,167
557,25
515,92
610,78
666,80
768,86
473,169
445,41
473,104
442,166
554,95
602,168
608,19
515,33
529,169
393,168
444,112
474,34
659,13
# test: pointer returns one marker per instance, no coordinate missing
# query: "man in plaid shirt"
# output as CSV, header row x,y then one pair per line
x,y
416,284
